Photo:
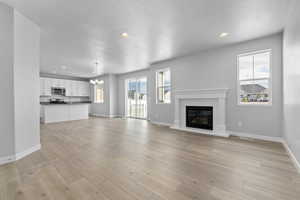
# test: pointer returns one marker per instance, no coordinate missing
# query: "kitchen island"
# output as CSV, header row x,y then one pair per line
x,y
64,112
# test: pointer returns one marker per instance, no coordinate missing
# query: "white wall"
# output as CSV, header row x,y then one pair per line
x,y
19,85
6,82
101,108
216,68
113,95
26,83
291,79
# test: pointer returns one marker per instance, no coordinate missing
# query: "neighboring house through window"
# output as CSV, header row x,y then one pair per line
x,y
163,86
99,92
254,78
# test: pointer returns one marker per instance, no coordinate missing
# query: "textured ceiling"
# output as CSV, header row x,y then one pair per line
x,y
77,33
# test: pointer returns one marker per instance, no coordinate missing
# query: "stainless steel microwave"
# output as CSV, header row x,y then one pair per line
x,y
57,91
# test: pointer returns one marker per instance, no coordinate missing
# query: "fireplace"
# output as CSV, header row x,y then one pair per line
x,y
215,98
199,117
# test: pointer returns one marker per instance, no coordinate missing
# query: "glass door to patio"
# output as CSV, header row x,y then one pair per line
x,y
136,98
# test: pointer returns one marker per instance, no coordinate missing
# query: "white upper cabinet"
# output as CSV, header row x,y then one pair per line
x,y
82,88
86,89
48,85
42,86
68,87
54,82
60,83
73,88
45,87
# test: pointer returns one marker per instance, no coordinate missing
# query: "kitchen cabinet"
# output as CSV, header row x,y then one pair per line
x,y
45,87
83,88
68,86
48,86
78,112
86,89
42,86
64,112
73,88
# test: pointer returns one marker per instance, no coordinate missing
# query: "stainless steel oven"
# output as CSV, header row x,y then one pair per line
x,y
58,91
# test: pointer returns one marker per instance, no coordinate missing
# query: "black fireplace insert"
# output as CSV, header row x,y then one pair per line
x,y
199,117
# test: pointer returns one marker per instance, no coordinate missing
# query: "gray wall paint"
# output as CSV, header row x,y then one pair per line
x,y
26,83
292,79
6,82
110,106
19,77
216,68
101,108
113,95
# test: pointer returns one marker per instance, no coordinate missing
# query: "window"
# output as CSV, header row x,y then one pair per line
x,y
254,78
99,92
163,86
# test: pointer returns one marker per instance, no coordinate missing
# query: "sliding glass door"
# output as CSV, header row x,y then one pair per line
x,y
136,98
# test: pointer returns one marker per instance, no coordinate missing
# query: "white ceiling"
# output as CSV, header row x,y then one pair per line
x,y
77,33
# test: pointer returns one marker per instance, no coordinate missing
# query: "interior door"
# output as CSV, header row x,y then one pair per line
x,y
136,98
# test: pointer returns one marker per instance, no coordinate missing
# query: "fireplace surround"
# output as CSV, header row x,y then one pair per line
x,y
215,98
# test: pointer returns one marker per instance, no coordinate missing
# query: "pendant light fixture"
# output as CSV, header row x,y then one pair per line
x,y
96,81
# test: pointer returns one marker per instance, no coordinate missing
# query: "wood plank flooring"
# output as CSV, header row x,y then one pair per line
x,y
117,159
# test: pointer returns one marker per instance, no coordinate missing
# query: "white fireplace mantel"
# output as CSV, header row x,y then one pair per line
x,y
205,97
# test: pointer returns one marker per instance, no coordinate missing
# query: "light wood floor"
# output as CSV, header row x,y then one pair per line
x,y
116,159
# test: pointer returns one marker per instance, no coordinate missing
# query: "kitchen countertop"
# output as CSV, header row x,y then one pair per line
x,y
67,103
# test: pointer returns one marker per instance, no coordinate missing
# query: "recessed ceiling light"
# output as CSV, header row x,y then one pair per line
x,y
124,34
223,35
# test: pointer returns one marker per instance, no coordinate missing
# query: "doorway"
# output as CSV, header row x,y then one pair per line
x,y
136,98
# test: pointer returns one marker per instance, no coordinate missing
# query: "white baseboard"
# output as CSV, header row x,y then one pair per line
x,y
292,156
98,115
7,159
20,155
202,131
160,123
116,116
271,139
245,135
255,136
104,115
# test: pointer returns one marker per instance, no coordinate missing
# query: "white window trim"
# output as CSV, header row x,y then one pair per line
x,y
156,85
270,80
95,87
126,90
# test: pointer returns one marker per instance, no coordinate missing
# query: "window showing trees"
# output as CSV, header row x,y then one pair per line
x,y
163,86
254,78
